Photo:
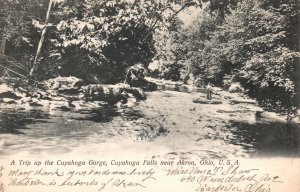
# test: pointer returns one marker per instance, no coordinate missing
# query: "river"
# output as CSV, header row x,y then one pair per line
x,y
168,124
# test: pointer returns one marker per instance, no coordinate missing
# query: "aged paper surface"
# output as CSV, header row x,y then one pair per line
x,y
98,174
168,142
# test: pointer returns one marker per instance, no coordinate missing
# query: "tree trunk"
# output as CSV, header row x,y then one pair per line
x,y
4,37
40,45
2,48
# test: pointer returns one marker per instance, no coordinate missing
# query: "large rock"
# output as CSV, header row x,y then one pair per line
x,y
96,92
137,93
136,78
236,88
207,101
8,100
241,100
66,85
118,88
112,94
7,92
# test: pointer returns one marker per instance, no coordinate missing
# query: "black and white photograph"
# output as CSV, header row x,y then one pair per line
x,y
166,80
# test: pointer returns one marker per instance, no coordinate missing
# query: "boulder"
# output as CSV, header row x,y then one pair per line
x,y
118,88
7,92
136,78
241,100
58,104
137,93
207,101
93,92
236,88
38,102
8,100
35,104
25,100
65,85
112,94
259,114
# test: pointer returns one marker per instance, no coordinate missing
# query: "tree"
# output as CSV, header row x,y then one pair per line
x,y
39,49
250,45
15,29
99,40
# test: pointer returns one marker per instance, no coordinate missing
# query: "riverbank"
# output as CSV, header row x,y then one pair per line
x,y
169,124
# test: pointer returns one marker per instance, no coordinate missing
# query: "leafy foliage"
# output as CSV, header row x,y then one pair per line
x,y
251,44
103,38
17,28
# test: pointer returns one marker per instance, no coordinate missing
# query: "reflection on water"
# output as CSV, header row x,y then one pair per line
x,y
131,114
102,114
106,114
37,130
264,139
60,131
13,120
180,88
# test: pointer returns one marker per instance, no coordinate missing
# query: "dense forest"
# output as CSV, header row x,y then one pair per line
x,y
254,43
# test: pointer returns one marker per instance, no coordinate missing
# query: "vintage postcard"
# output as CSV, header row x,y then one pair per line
x,y
149,95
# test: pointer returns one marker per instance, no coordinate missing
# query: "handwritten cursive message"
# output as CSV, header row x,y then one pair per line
x,y
226,177
136,175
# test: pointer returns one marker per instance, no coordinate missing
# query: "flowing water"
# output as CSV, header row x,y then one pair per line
x,y
38,131
267,138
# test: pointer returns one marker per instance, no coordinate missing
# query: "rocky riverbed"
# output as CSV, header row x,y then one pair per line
x,y
168,124
232,127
